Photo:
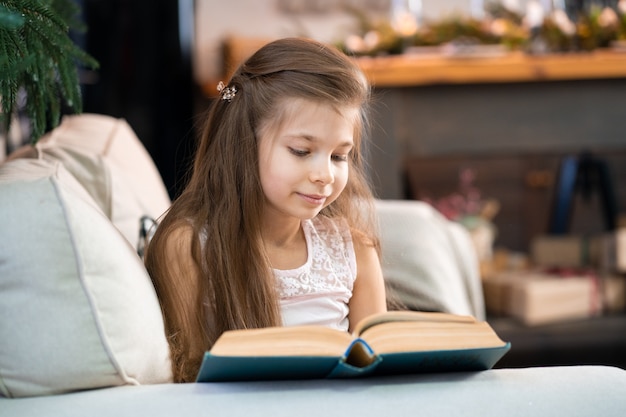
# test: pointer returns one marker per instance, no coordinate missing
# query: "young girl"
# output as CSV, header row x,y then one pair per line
x,y
275,226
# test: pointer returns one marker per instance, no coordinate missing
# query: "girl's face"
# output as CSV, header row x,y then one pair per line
x,y
304,161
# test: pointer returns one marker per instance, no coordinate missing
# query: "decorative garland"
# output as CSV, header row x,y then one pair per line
x,y
597,28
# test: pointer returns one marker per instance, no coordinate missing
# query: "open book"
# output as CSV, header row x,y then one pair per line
x,y
395,342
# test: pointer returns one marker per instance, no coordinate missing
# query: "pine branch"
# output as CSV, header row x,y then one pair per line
x,y
38,55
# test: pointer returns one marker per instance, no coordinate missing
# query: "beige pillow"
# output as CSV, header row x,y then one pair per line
x,y
106,157
429,262
77,305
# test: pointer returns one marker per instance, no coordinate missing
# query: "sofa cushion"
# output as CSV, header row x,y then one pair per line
x,y
429,263
105,155
78,308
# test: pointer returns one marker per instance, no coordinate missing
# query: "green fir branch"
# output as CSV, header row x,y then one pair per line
x,y
39,57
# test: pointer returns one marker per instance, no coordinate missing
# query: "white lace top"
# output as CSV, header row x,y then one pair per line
x,y
318,292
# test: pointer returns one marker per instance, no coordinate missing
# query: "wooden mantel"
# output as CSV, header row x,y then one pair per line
x,y
414,70
417,69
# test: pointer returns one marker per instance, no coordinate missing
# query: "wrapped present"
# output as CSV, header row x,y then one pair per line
x,y
567,251
614,293
620,249
605,252
497,292
539,297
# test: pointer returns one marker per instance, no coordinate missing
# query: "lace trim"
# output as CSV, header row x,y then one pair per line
x,y
331,264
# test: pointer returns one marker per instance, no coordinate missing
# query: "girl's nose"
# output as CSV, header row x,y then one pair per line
x,y
322,172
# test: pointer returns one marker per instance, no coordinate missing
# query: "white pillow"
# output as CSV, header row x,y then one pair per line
x,y
428,262
78,308
106,157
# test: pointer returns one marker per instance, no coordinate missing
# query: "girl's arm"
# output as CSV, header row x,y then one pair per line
x,y
368,293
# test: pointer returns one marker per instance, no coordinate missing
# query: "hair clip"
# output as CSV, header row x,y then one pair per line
x,y
228,93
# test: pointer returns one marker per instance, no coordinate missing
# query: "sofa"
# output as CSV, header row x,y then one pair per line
x,y
82,332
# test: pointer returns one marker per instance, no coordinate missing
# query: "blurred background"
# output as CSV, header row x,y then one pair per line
x,y
480,107
160,62
506,115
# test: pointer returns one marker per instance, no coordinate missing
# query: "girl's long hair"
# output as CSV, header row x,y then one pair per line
x,y
223,199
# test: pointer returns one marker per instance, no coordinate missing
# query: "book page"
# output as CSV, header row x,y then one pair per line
x,y
399,316
410,336
283,341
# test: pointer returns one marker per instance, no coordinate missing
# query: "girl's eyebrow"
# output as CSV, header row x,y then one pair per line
x,y
311,138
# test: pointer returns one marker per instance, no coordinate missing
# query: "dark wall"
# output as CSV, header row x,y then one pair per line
x,y
473,120
144,77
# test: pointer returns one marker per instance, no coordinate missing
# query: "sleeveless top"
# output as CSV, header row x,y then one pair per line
x,y
318,291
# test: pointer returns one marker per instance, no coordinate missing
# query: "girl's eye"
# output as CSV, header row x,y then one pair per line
x,y
298,152
340,158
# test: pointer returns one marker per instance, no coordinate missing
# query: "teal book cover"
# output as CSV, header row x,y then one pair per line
x,y
445,360
254,368
358,361
285,367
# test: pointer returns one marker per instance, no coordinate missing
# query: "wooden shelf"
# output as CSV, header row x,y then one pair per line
x,y
415,70
514,67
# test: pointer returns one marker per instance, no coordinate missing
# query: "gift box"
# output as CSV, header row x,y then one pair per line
x,y
497,292
605,252
568,251
536,297
620,249
614,293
